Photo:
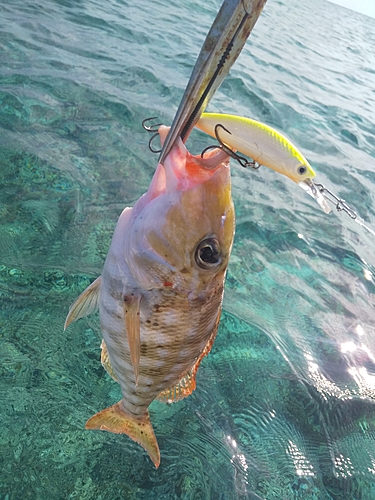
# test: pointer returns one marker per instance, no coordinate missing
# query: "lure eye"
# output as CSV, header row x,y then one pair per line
x,y
207,253
302,169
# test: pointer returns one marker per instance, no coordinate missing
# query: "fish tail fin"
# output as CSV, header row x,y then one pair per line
x,y
115,419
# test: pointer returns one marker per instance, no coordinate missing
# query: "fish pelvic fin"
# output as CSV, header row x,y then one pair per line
x,y
106,362
86,303
139,429
133,328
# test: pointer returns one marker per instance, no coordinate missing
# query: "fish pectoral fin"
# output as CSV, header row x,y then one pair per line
x,y
181,390
86,303
133,328
139,429
106,362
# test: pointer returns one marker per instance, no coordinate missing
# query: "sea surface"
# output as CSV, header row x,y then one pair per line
x,y
285,402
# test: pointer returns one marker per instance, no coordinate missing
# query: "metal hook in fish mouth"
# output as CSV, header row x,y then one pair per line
x,y
154,127
244,162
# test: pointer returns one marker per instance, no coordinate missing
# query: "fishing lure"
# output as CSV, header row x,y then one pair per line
x,y
265,145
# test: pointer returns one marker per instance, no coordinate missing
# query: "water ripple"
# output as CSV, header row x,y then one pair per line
x,y
284,402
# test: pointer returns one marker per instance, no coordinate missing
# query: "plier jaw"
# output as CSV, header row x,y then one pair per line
x,y
222,46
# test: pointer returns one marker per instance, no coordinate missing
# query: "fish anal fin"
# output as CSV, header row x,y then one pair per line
x,y
185,386
86,303
106,362
208,346
139,429
133,329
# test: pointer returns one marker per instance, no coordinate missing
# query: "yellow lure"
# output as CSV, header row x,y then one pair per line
x,y
260,142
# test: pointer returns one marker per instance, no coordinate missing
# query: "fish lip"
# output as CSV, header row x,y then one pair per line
x,y
216,159
223,44
210,162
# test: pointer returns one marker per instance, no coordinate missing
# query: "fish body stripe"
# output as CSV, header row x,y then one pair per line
x,y
170,349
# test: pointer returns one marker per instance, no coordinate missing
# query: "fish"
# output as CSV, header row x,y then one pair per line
x,y
161,290
266,146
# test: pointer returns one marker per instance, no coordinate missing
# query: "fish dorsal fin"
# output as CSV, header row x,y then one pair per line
x,y
133,328
106,362
181,390
115,419
86,303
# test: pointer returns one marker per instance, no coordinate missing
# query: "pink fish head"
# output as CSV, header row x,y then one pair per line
x,y
183,227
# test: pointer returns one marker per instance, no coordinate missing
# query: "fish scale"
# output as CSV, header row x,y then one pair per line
x,y
160,332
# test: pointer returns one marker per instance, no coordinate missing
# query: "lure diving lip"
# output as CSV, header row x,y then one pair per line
x,y
311,188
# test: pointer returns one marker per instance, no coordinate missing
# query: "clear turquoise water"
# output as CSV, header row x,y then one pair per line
x,y
285,402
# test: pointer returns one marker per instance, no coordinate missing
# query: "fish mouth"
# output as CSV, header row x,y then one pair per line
x,y
182,170
223,44
210,161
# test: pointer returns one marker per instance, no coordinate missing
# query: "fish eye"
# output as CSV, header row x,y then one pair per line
x,y
207,253
302,169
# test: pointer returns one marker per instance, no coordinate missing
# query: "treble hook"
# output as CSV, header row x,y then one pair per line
x,y
152,128
244,162
341,204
